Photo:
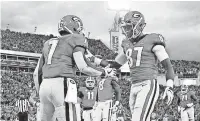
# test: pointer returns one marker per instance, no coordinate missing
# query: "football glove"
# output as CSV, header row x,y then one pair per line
x,y
110,72
89,56
169,94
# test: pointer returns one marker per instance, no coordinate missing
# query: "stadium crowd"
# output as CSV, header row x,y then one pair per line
x,y
14,84
27,42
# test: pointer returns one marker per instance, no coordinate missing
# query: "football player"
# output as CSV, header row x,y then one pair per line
x,y
88,99
142,51
103,107
186,102
55,71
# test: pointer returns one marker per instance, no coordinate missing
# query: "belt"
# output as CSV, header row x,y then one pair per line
x,y
88,108
23,112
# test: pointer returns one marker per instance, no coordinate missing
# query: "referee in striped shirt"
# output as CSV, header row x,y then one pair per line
x,y
23,106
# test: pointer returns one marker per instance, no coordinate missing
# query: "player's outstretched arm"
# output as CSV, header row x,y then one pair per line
x,y
83,66
119,60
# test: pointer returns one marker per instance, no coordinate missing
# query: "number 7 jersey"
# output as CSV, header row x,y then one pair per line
x,y
141,59
58,55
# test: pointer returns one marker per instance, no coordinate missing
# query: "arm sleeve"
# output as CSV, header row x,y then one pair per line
x,y
160,52
163,57
81,62
170,71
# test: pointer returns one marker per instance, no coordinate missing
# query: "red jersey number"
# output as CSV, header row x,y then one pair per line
x,y
138,58
53,43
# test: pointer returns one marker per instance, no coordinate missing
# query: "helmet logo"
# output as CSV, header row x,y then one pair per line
x,y
72,81
60,25
136,15
77,20
161,38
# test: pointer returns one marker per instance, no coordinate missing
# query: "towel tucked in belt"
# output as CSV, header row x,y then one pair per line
x,y
71,95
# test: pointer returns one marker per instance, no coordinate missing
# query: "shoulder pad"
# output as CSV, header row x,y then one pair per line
x,y
77,40
157,39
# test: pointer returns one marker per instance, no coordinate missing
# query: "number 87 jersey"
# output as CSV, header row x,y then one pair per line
x,y
141,59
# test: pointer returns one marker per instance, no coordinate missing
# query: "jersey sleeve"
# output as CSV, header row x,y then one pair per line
x,y
78,41
157,39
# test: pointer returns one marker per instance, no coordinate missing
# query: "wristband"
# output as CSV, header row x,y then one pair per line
x,y
97,61
117,103
170,83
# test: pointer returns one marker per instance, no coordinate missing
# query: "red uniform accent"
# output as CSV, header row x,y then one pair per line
x,y
141,59
61,61
89,96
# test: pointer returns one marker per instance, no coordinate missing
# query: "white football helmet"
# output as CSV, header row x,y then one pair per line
x,y
90,82
184,86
